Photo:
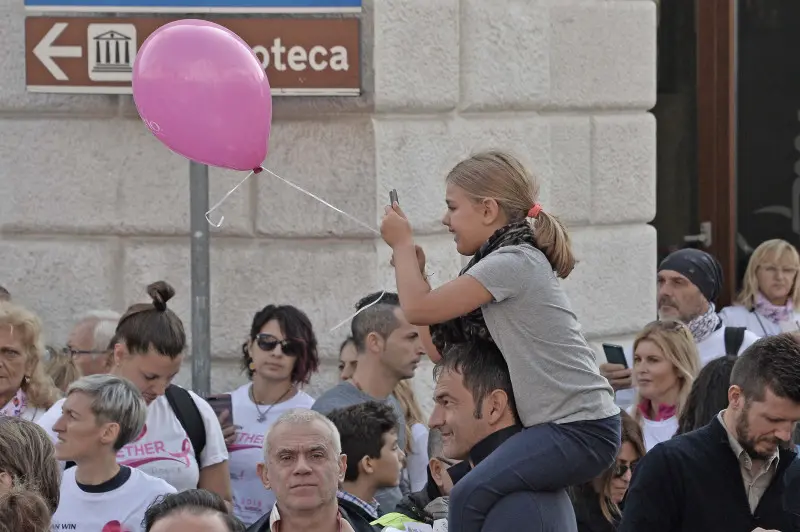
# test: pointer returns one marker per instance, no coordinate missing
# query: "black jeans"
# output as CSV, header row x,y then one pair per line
x,y
546,457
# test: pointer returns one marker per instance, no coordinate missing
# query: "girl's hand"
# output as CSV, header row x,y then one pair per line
x,y
395,229
420,259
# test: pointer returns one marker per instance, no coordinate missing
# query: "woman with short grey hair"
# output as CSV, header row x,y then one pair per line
x,y
101,415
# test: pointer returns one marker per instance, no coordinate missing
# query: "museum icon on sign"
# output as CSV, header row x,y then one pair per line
x,y
111,49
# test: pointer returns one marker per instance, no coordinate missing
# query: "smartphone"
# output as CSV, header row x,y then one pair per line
x,y
615,354
393,197
221,403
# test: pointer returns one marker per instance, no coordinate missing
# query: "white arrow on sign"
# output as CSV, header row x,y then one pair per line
x,y
45,51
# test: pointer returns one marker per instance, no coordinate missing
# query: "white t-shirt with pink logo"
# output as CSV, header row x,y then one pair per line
x,y
163,449
251,500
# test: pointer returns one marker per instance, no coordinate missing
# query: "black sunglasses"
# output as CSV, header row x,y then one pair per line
x,y
292,348
621,469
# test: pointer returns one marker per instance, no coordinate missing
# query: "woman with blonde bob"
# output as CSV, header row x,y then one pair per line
x,y
25,390
509,293
768,302
665,364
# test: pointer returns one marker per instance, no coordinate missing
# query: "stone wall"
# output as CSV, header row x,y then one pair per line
x,y
93,208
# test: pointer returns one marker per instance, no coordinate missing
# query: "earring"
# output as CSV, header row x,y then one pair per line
x,y
252,366
27,379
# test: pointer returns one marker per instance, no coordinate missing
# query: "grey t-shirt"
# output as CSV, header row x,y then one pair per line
x,y
553,370
345,394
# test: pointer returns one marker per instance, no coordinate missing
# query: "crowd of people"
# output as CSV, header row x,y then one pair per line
x,y
694,431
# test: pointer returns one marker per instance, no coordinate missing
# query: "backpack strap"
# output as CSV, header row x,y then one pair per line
x,y
734,336
188,415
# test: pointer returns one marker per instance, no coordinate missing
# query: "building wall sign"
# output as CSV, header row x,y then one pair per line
x,y
302,57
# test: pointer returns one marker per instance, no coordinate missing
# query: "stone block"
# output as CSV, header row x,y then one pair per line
x,y
504,54
415,155
624,164
570,182
60,279
333,160
603,54
98,176
416,52
13,94
323,280
612,288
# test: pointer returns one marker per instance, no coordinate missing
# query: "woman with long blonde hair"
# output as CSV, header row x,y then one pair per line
x,y
25,389
770,296
416,428
665,364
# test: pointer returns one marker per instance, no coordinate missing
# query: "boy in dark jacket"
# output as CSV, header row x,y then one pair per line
x,y
374,459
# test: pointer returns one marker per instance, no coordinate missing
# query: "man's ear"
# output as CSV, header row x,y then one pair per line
x,y
436,471
735,397
342,467
374,343
496,406
261,469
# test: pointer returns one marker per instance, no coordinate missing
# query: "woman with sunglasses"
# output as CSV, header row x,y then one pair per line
x,y
279,357
597,503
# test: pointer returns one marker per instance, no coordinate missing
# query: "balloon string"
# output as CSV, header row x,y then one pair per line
x,y
359,311
314,196
220,202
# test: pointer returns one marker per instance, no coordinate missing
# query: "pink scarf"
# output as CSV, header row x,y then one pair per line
x,y
774,313
664,411
15,406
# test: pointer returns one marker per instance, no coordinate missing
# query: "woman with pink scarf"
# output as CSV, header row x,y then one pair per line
x,y
25,391
767,303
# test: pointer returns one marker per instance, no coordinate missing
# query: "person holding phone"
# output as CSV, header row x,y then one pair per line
x,y
279,356
510,294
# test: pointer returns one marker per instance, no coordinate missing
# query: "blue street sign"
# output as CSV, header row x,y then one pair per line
x,y
195,6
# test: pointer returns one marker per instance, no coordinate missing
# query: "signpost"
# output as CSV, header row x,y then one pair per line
x,y
87,55
194,6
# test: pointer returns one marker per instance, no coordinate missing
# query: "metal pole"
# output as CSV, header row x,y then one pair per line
x,y
201,296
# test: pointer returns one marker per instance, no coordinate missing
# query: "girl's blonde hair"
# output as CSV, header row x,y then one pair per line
x,y
411,410
38,387
502,177
676,343
768,250
63,371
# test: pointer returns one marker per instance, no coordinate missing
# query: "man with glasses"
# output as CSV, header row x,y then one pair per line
x,y
88,342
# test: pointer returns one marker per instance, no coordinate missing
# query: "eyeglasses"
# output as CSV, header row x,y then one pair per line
x,y
621,469
72,352
289,347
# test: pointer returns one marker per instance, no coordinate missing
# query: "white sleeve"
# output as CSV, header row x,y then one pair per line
x,y
215,450
417,463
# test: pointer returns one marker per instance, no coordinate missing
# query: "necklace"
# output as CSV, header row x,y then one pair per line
x,y
262,416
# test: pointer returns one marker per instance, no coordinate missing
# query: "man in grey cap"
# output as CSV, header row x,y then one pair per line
x,y
689,282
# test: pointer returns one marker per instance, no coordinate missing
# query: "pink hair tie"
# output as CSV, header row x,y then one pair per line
x,y
535,210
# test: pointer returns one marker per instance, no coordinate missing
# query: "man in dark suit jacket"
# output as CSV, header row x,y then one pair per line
x,y
729,475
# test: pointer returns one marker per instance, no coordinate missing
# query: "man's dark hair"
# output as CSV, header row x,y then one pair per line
x,y
5,295
193,502
378,317
362,429
709,394
483,369
772,362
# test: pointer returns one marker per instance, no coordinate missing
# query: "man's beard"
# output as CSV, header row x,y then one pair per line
x,y
747,442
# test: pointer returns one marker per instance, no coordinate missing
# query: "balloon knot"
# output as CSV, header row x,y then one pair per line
x,y
258,170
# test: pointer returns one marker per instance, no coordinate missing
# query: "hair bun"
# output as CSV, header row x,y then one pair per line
x,y
160,292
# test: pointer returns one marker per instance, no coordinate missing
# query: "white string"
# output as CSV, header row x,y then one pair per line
x,y
314,196
220,202
359,311
340,211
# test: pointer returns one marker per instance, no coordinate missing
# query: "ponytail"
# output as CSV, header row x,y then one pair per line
x,y
553,240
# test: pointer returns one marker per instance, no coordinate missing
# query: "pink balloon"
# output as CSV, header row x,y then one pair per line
x,y
203,92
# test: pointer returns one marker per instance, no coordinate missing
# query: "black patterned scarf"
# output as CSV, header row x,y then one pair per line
x,y
472,326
